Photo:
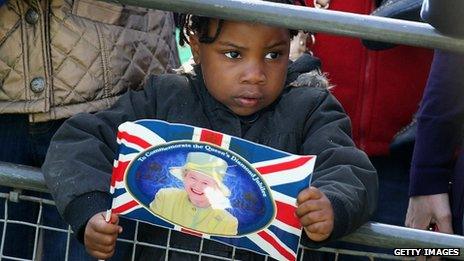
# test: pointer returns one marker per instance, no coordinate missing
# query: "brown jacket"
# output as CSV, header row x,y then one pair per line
x,y
61,57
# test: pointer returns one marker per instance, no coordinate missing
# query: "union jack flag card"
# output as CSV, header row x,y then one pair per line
x,y
210,185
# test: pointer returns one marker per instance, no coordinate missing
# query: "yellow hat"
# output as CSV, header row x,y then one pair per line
x,y
206,164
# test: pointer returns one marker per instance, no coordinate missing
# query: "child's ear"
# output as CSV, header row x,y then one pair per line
x,y
195,47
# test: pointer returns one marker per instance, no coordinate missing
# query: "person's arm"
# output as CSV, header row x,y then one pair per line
x,y
342,172
439,128
80,158
446,18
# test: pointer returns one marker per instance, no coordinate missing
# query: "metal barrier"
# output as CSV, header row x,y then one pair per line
x,y
312,19
372,234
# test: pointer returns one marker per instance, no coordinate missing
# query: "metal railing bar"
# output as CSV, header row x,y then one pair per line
x,y
29,224
312,19
68,242
168,245
135,241
29,198
371,233
201,249
4,227
389,236
180,250
16,258
302,253
37,240
233,252
22,177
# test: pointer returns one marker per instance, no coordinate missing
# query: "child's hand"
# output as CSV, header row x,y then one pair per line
x,y
100,236
315,213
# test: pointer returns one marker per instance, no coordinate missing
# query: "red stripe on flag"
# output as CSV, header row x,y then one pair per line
x,y
190,232
286,214
125,207
211,137
133,139
118,172
284,165
268,238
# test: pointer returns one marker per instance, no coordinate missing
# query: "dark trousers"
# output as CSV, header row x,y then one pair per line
x,y
393,173
26,143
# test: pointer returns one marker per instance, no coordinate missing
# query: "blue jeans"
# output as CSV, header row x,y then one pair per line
x,y
26,143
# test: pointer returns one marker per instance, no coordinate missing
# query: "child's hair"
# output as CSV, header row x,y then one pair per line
x,y
193,24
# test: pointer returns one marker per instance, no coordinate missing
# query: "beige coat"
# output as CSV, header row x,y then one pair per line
x,y
62,57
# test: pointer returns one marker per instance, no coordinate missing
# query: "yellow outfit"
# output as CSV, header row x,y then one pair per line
x,y
174,205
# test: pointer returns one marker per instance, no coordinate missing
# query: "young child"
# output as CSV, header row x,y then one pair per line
x,y
198,204
241,87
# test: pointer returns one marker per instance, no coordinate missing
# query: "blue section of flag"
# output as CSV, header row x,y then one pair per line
x,y
254,152
291,241
127,150
243,243
147,217
118,192
293,188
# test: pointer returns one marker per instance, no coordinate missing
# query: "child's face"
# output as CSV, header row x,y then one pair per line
x,y
195,184
246,66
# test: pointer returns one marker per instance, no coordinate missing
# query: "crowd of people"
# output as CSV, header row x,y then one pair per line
x,y
72,71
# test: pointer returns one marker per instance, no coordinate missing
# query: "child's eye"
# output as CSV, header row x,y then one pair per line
x,y
232,55
272,55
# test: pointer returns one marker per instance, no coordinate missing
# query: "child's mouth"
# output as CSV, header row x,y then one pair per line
x,y
247,101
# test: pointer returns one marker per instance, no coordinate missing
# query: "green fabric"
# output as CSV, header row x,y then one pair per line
x,y
184,51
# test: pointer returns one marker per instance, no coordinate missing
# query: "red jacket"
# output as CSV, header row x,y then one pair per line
x,y
380,90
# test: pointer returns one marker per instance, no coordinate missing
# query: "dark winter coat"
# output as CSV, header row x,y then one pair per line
x,y
303,120
440,128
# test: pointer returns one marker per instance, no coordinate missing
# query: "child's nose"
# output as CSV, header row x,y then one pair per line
x,y
253,73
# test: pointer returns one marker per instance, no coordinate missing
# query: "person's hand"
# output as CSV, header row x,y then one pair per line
x,y
322,3
100,236
430,209
315,213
